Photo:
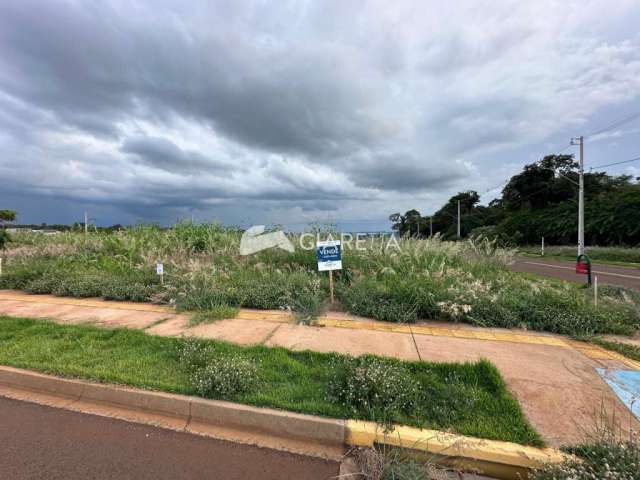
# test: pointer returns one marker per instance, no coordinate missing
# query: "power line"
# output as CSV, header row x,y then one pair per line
x,y
615,124
616,163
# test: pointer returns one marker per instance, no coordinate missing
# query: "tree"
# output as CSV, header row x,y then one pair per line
x,y
445,220
411,223
7,216
538,185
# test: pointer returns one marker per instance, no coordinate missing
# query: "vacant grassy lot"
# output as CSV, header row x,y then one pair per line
x,y
616,255
419,279
467,398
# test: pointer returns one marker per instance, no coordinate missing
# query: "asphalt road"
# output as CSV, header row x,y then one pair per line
x,y
38,442
565,270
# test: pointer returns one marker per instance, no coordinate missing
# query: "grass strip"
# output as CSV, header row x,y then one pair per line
x,y
469,398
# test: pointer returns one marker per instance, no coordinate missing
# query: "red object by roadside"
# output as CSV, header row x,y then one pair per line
x,y
582,268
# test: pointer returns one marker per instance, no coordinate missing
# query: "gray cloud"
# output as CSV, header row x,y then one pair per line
x,y
284,109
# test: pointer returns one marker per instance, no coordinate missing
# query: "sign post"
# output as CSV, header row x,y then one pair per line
x,y
160,271
329,255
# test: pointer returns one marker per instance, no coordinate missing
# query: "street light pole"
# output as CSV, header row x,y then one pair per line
x,y
580,141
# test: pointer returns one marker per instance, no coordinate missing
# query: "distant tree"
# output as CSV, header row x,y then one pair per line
x,y
7,216
411,223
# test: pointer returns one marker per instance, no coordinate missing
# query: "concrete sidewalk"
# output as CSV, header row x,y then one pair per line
x,y
553,378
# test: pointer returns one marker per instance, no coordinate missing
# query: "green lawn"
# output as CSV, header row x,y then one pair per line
x,y
468,398
612,255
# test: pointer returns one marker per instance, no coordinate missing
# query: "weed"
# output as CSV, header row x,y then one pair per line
x,y
214,313
604,459
372,386
225,377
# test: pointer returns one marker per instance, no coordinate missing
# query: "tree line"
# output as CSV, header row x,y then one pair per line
x,y
540,201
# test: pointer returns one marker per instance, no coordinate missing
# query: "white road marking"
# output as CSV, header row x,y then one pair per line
x,y
593,271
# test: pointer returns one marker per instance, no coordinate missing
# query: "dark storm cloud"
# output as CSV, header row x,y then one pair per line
x,y
403,172
291,106
95,66
164,154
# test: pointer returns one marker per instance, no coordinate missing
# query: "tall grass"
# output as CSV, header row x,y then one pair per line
x,y
414,279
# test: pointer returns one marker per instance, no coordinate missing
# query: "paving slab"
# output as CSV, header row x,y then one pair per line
x,y
354,342
245,332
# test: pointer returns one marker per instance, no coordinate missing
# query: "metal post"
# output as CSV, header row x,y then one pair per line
x,y
542,248
581,201
458,218
595,290
331,284
431,226
86,222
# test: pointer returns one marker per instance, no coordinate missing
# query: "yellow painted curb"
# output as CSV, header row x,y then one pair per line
x,y
85,302
597,352
502,459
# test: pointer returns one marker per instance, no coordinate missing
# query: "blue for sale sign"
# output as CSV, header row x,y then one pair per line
x,y
329,255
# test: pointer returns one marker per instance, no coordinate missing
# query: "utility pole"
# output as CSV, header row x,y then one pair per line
x,y
458,218
431,226
580,141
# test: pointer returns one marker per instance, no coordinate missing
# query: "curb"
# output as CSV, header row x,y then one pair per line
x,y
504,460
282,430
298,433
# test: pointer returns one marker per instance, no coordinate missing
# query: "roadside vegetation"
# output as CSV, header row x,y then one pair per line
x,y
607,457
616,255
540,201
466,281
469,398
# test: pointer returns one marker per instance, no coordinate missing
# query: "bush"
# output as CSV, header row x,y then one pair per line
x,y
214,373
4,238
373,386
371,298
225,377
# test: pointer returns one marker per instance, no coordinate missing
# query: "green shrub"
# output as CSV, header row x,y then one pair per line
x,y
370,298
224,377
4,238
192,353
371,385
214,373
19,276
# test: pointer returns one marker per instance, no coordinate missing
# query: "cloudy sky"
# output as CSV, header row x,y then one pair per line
x,y
296,111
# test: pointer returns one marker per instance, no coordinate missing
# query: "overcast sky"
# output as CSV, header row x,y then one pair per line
x,y
289,112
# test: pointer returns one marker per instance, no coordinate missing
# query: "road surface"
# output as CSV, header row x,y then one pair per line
x,y
566,270
38,442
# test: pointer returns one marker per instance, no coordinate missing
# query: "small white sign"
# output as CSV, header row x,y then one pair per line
x,y
159,269
329,255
